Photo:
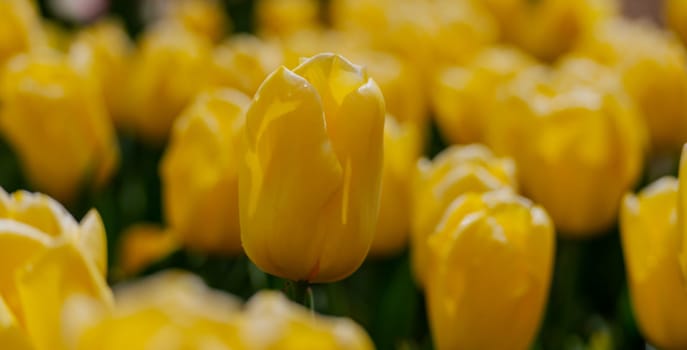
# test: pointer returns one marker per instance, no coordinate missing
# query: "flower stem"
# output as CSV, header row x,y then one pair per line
x,y
303,294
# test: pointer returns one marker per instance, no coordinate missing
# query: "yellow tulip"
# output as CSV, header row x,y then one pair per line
x,y
491,267
463,95
652,66
675,15
651,244
104,48
20,28
578,143
199,172
279,18
549,28
142,245
170,68
310,176
206,18
54,117
402,148
175,310
244,61
454,172
42,248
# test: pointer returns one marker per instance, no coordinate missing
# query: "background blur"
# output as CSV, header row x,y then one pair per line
x,y
588,305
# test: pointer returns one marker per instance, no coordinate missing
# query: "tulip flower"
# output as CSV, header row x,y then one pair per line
x,y
54,118
651,244
455,171
549,28
491,267
578,143
20,28
175,310
675,15
652,66
142,245
199,172
42,248
401,151
104,48
244,61
170,68
280,18
310,175
463,95
205,18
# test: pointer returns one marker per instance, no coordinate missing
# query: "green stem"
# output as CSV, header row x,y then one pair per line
x,y
303,294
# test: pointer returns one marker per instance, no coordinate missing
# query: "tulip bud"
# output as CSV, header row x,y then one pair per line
x,y
54,118
675,15
170,68
244,61
463,95
310,175
491,266
20,28
199,172
454,172
579,145
401,151
652,66
104,50
42,248
651,244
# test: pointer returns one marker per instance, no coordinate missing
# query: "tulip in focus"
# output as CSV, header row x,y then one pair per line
x,y
20,28
47,260
310,176
675,15
199,172
402,148
171,66
491,267
455,171
578,143
652,66
54,117
175,310
463,95
651,244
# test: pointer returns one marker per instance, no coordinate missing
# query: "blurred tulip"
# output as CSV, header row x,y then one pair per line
x,y
491,267
205,18
652,66
55,119
579,145
651,244
199,172
105,49
56,35
454,172
675,15
244,61
171,66
402,148
142,245
175,310
20,28
279,18
463,95
46,259
549,28
310,177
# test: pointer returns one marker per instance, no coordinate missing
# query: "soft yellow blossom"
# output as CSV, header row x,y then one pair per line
x,y
310,175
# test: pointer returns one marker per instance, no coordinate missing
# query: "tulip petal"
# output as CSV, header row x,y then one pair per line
x,y
11,334
93,240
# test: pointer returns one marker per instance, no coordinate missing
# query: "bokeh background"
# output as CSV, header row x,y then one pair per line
x,y
588,306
